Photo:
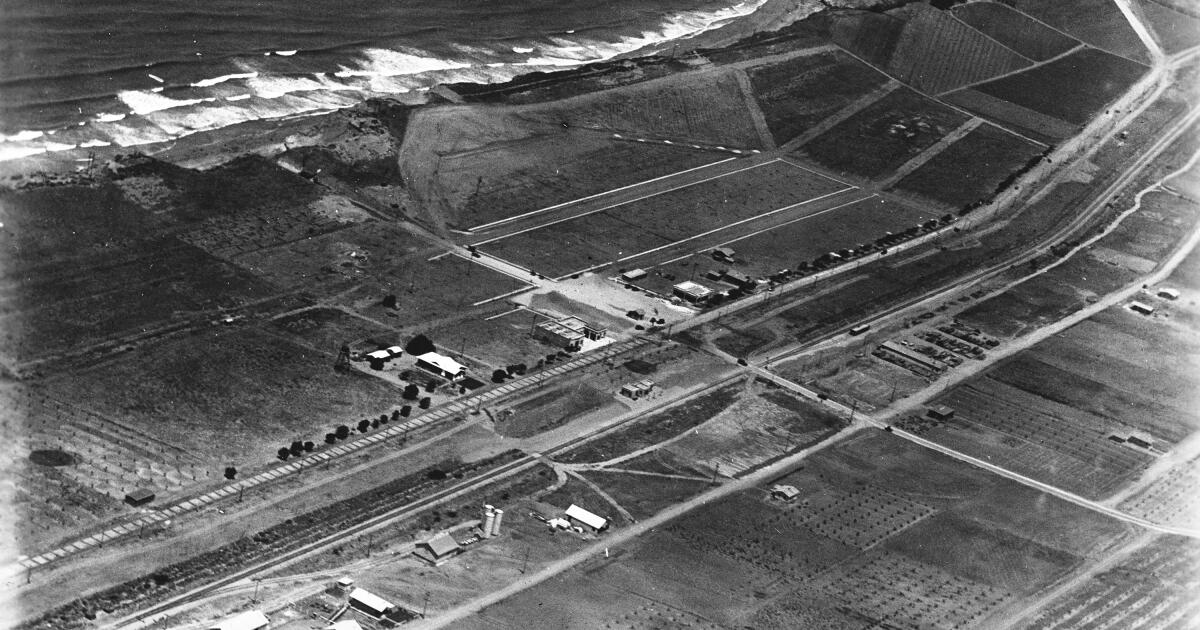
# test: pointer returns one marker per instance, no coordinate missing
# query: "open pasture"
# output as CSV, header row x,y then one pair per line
x,y
1099,23
797,94
1177,24
637,227
877,140
971,169
1015,30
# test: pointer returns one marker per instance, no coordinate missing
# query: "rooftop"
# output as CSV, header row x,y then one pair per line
x,y
249,620
442,544
370,600
444,363
586,517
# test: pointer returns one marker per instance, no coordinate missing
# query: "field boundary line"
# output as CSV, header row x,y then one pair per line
x,y
932,151
595,196
622,203
715,230
756,114
848,110
1031,66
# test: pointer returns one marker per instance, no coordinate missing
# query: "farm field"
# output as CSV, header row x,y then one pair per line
x,y
1099,23
1177,29
971,169
1016,118
553,408
570,246
1153,587
799,93
654,429
924,47
325,330
877,140
1015,30
1024,432
1073,88
854,549
802,240
646,495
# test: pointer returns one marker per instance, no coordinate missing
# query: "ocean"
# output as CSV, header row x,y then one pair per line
x,y
91,73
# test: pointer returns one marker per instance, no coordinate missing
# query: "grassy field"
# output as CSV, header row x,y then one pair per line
x,y
552,409
884,135
1073,89
798,93
860,546
326,330
646,495
1099,23
1015,30
924,47
972,168
1011,116
656,428
570,246
195,396
804,240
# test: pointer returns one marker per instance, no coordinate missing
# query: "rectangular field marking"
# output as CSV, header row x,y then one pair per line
x,y
809,170
719,229
590,197
643,197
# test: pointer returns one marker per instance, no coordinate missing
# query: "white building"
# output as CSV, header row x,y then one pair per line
x,y
249,620
442,366
586,518
369,603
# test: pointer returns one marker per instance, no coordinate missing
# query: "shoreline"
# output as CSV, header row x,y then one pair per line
x,y
272,136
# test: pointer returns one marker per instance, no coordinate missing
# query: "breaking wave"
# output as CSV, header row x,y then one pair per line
x,y
306,82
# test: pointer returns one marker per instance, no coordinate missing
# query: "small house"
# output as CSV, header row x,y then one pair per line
x,y
941,412
395,351
344,585
589,521
139,497
369,603
638,390
249,620
784,492
1168,293
633,274
740,280
723,253
379,356
442,366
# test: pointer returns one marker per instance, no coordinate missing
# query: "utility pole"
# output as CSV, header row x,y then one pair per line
x,y
254,600
525,560
425,606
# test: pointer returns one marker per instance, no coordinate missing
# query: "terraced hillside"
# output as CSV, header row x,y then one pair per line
x,y
924,47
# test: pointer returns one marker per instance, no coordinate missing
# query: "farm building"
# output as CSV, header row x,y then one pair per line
x,y
569,332
1144,309
633,274
369,603
638,390
1168,293
785,492
139,497
897,353
743,281
379,355
692,291
345,624
589,521
723,253
1137,441
438,549
941,412
249,620
344,584
442,366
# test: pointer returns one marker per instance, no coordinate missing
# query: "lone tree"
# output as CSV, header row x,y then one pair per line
x,y
297,447
406,410
431,386
498,376
411,392
389,301
419,345
396,415
424,404
342,432
230,472
309,446
363,425
330,438
284,453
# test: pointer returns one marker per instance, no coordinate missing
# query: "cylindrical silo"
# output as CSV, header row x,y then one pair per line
x,y
499,514
489,519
